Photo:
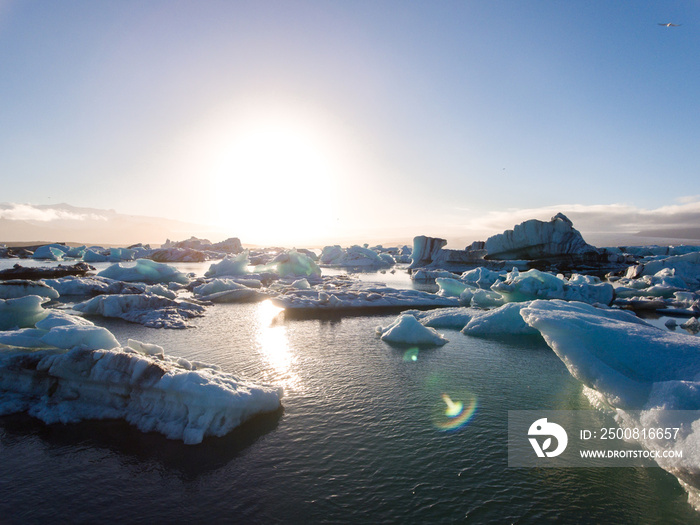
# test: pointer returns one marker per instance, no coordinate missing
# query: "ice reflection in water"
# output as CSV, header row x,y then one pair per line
x,y
273,345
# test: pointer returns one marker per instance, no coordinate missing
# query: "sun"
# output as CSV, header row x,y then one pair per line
x,y
274,183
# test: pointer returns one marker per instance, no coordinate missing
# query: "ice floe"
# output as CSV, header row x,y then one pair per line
x,y
407,330
69,370
21,312
648,376
355,257
337,294
20,287
145,271
146,309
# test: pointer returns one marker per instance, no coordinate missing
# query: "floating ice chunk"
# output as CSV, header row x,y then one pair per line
x,y
19,288
339,294
631,366
88,286
505,320
686,267
294,263
159,289
534,284
148,310
481,277
456,318
230,265
486,299
406,329
692,325
450,287
423,274
145,348
23,312
613,351
178,255
51,252
355,257
23,338
145,271
149,390
226,291
82,336
535,239
121,254
301,284
58,318
93,255
216,286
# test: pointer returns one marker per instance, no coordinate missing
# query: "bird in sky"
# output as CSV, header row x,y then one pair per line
x,y
669,24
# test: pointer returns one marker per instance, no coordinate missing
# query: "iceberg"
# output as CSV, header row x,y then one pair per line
x,y
89,286
138,383
146,309
686,268
504,320
145,271
293,263
355,257
629,366
51,252
167,255
337,294
20,287
620,355
534,284
535,239
226,291
454,317
230,265
407,330
21,312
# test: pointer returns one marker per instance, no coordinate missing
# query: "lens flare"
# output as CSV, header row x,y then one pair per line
x,y
451,414
411,354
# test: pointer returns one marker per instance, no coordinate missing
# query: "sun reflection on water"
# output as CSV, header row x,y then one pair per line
x,y
273,344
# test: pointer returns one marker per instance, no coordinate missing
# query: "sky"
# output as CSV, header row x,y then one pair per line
x,y
316,121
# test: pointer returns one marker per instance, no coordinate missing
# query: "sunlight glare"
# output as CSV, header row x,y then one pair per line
x,y
274,182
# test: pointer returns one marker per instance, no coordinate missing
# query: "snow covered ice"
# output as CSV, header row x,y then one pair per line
x,y
66,370
408,331
146,309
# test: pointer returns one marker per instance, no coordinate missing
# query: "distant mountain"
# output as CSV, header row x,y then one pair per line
x,y
66,223
672,233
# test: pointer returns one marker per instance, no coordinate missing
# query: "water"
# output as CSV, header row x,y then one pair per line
x,y
357,440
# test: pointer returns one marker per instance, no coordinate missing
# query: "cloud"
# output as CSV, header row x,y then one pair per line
x,y
602,218
28,212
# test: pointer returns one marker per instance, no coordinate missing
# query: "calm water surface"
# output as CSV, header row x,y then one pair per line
x,y
356,442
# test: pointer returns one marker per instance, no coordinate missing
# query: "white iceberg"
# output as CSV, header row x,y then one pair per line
x,y
534,284
535,239
146,309
456,317
145,271
407,330
22,312
150,390
629,366
14,288
505,320
355,257
336,294
230,265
